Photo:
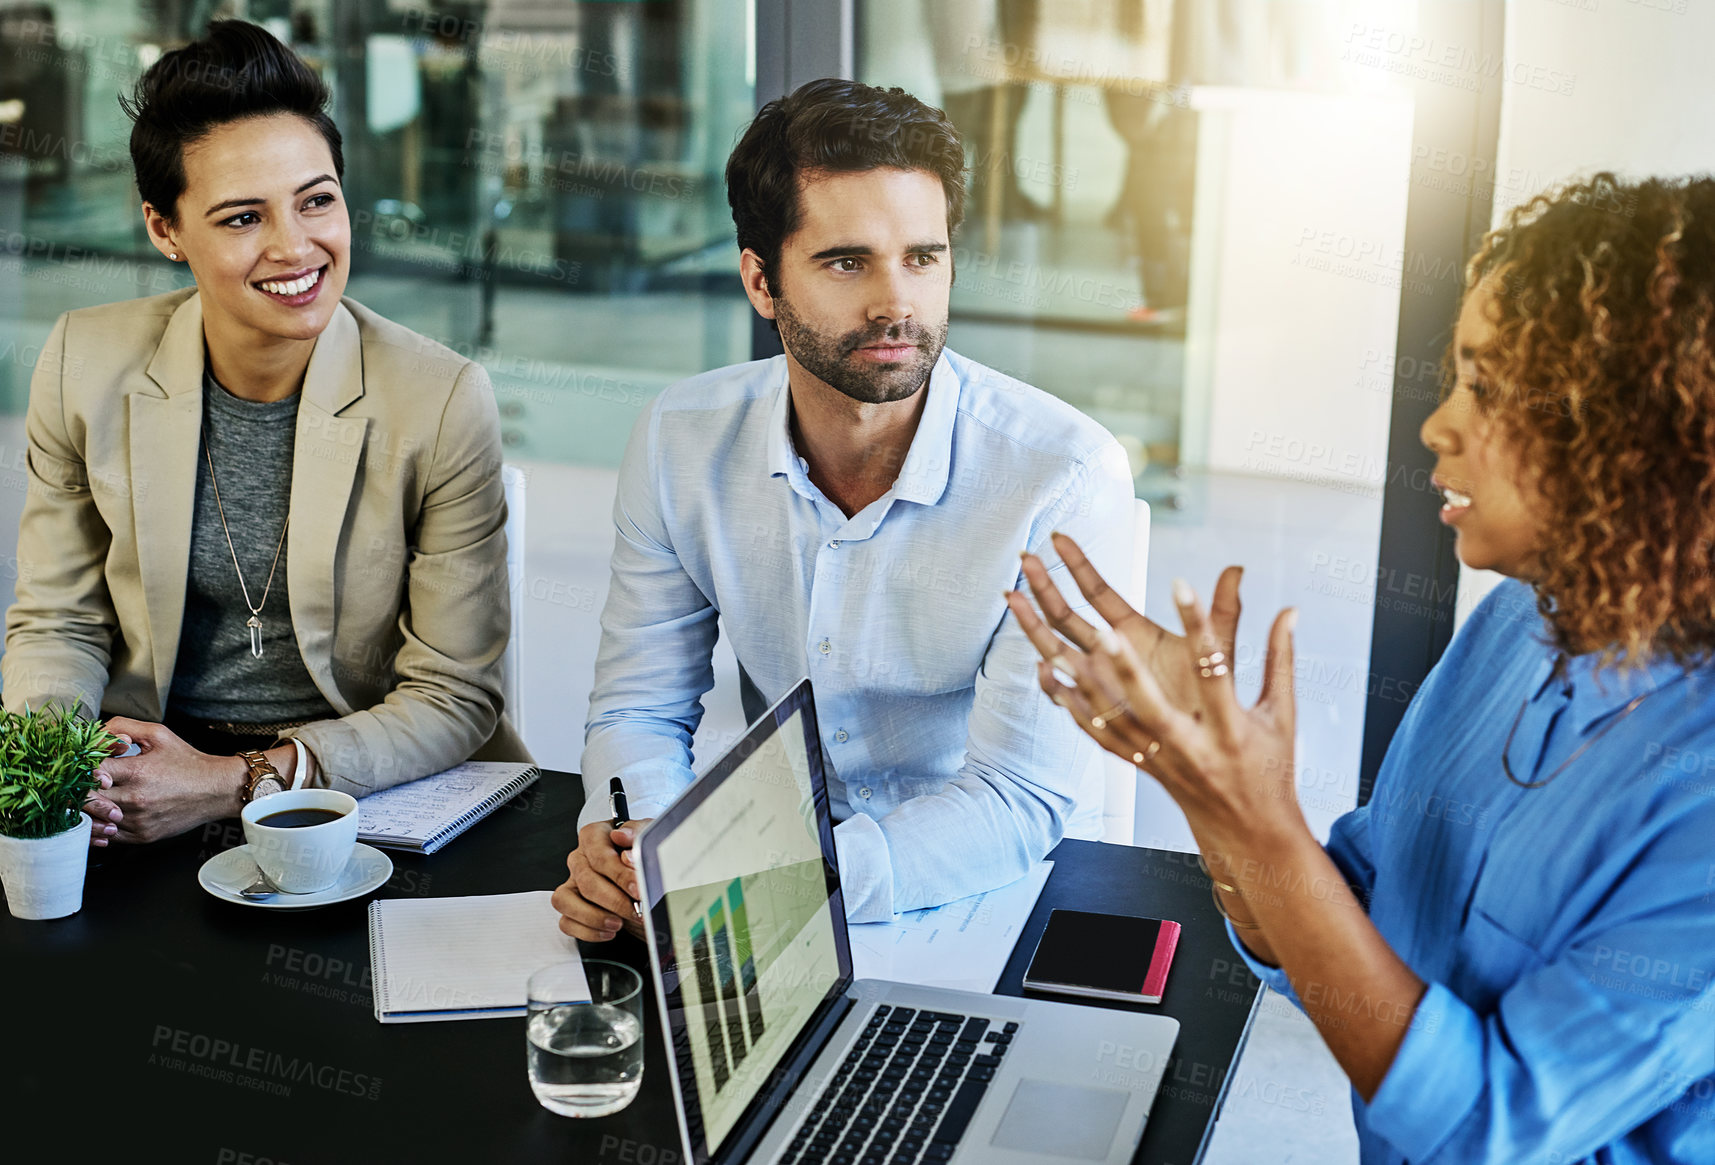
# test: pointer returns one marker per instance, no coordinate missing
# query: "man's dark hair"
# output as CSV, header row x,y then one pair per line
x,y
237,71
833,126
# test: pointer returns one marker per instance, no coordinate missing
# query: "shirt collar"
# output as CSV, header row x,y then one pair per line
x,y
923,477
1597,693
782,457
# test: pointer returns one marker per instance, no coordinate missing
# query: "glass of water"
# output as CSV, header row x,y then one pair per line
x,y
585,1053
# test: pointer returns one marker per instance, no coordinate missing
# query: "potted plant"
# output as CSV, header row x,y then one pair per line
x,y
47,768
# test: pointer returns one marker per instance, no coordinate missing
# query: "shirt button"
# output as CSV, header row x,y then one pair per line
x,y
864,792
841,736
824,647
834,545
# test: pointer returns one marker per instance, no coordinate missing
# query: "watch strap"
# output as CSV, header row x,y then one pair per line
x,y
258,768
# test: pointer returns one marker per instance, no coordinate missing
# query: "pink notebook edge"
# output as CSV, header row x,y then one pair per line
x,y
1166,942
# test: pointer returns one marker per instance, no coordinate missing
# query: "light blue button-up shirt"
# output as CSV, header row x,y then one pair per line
x,y
1567,933
949,771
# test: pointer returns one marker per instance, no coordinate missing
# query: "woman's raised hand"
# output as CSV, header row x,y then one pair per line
x,y
1167,702
1167,656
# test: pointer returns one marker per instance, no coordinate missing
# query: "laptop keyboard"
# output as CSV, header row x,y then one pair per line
x,y
905,1092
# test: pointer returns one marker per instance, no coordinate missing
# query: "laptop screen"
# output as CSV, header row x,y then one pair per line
x,y
743,892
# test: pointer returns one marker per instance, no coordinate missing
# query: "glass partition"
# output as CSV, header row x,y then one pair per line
x,y
1187,218
536,185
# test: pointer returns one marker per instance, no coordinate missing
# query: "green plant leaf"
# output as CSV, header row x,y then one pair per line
x,y
48,758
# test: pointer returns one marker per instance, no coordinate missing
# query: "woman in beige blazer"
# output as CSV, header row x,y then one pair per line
x,y
254,495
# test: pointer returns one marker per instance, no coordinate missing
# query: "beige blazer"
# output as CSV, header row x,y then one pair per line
x,y
396,548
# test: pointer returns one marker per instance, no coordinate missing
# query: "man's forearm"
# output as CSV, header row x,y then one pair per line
x,y
652,781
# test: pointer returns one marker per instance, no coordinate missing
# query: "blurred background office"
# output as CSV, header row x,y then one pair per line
x,y
1185,218
1230,230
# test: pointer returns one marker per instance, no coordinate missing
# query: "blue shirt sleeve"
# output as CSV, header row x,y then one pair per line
x,y
1581,1049
658,634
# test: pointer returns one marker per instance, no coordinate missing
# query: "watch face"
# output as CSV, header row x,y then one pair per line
x,y
267,787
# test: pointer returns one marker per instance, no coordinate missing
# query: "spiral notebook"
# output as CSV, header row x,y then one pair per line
x,y
462,958
421,816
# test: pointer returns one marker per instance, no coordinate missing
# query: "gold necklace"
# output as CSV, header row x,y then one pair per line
x,y
1507,767
255,622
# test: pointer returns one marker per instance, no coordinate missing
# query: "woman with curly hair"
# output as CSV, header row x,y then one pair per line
x,y
1511,948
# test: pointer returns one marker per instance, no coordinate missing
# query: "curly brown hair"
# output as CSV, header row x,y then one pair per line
x,y
1602,368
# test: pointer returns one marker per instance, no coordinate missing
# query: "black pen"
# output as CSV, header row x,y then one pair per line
x,y
621,815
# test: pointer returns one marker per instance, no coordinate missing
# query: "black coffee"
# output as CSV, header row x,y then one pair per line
x,y
297,818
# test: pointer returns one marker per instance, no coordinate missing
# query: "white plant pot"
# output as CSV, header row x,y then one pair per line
x,y
43,876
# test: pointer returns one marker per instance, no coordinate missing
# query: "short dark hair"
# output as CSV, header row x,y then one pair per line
x,y
237,71
836,126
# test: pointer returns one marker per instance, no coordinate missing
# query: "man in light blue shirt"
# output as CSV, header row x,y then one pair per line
x,y
854,511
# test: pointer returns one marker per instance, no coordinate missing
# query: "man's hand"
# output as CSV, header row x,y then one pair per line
x,y
600,896
167,788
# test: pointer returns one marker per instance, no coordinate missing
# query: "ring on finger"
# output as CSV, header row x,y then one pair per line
x,y
1212,665
1065,670
1101,719
1139,758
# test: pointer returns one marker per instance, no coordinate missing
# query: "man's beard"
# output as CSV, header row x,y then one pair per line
x,y
829,358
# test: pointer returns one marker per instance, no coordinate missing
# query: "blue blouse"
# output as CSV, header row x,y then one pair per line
x,y
1567,933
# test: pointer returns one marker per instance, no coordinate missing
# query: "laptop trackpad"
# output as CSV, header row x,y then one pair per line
x,y
1061,1120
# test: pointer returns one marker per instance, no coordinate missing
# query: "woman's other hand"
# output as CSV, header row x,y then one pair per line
x,y
104,815
167,787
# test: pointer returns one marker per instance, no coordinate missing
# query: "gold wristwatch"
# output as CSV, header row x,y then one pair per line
x,y
261,778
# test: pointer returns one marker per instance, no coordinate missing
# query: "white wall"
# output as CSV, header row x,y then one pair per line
x,y
1297,245
1641,104
567,543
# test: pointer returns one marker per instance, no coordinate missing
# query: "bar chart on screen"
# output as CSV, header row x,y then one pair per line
x,y
758,955
746,893
731,1003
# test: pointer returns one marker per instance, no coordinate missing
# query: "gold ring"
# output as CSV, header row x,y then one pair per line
x,y
1138,758
1100,720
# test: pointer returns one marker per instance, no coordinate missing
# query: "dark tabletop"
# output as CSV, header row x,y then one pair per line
x,y
131,1027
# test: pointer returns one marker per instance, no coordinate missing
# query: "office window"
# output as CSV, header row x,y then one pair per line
x,y
536,185
1188,220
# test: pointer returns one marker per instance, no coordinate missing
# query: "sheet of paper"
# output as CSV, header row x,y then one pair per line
x,y
460,958
963,944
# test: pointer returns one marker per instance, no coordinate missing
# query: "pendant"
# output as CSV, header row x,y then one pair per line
x,y
255,626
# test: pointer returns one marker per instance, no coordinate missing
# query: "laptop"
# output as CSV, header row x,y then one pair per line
x,y
779,1056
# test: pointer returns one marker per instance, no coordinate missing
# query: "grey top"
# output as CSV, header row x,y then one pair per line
x,y
216,678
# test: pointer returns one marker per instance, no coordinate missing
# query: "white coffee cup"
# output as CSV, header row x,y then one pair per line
x,y
301,859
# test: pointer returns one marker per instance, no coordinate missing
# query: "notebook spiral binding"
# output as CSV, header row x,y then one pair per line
x,y
482,809
377,963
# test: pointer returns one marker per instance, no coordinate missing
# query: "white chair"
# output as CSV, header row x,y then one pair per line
x,y
1120,777
512,481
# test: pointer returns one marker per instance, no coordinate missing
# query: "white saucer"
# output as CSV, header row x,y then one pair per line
x,y
225,874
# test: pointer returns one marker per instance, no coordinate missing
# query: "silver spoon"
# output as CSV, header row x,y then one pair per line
x,y
260,889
